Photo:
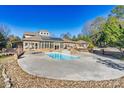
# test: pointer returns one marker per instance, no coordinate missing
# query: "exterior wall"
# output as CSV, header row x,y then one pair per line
x,y
69,45
32,45
75,45
58,45
85,45
82,45
51,45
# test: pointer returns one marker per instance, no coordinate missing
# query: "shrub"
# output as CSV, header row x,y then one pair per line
x,y
90,46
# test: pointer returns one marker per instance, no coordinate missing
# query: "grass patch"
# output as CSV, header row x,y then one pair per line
x,y
4,59
3,56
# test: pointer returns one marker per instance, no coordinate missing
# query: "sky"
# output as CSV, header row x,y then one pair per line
x,y
55,19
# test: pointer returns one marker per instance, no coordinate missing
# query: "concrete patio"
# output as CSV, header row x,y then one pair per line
x,y
88,67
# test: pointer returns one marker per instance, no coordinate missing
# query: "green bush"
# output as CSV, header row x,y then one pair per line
x,y
90,46
8,45
122,58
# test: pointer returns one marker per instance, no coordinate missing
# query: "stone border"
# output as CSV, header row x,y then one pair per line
x,y
7,80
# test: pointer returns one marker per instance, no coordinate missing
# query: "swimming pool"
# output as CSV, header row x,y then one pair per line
x,y
61,56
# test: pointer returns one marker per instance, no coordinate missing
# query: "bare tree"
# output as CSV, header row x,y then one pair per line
x,y
93,25
4,30
66,35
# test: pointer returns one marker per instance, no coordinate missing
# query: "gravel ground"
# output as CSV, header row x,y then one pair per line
x,y
21,79
1,79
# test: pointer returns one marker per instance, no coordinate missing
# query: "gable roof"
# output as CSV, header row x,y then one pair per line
x,y
36,38
34,33
42,38
30,33
51,38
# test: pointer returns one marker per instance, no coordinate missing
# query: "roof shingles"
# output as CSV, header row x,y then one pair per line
x,y
42,38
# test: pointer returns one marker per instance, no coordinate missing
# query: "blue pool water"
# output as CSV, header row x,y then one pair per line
x,y
60,56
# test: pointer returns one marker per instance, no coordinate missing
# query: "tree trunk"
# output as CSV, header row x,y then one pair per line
x,y
121,51
11,45
103,52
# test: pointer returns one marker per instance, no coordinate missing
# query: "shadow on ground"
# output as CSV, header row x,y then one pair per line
x,y
21,57
111,64
109,54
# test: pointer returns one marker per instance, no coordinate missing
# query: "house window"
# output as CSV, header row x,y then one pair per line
x,y
35,45
42,44
51,44
47,45
61,45
32,44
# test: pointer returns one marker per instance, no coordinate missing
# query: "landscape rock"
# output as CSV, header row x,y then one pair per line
x,y
6,78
